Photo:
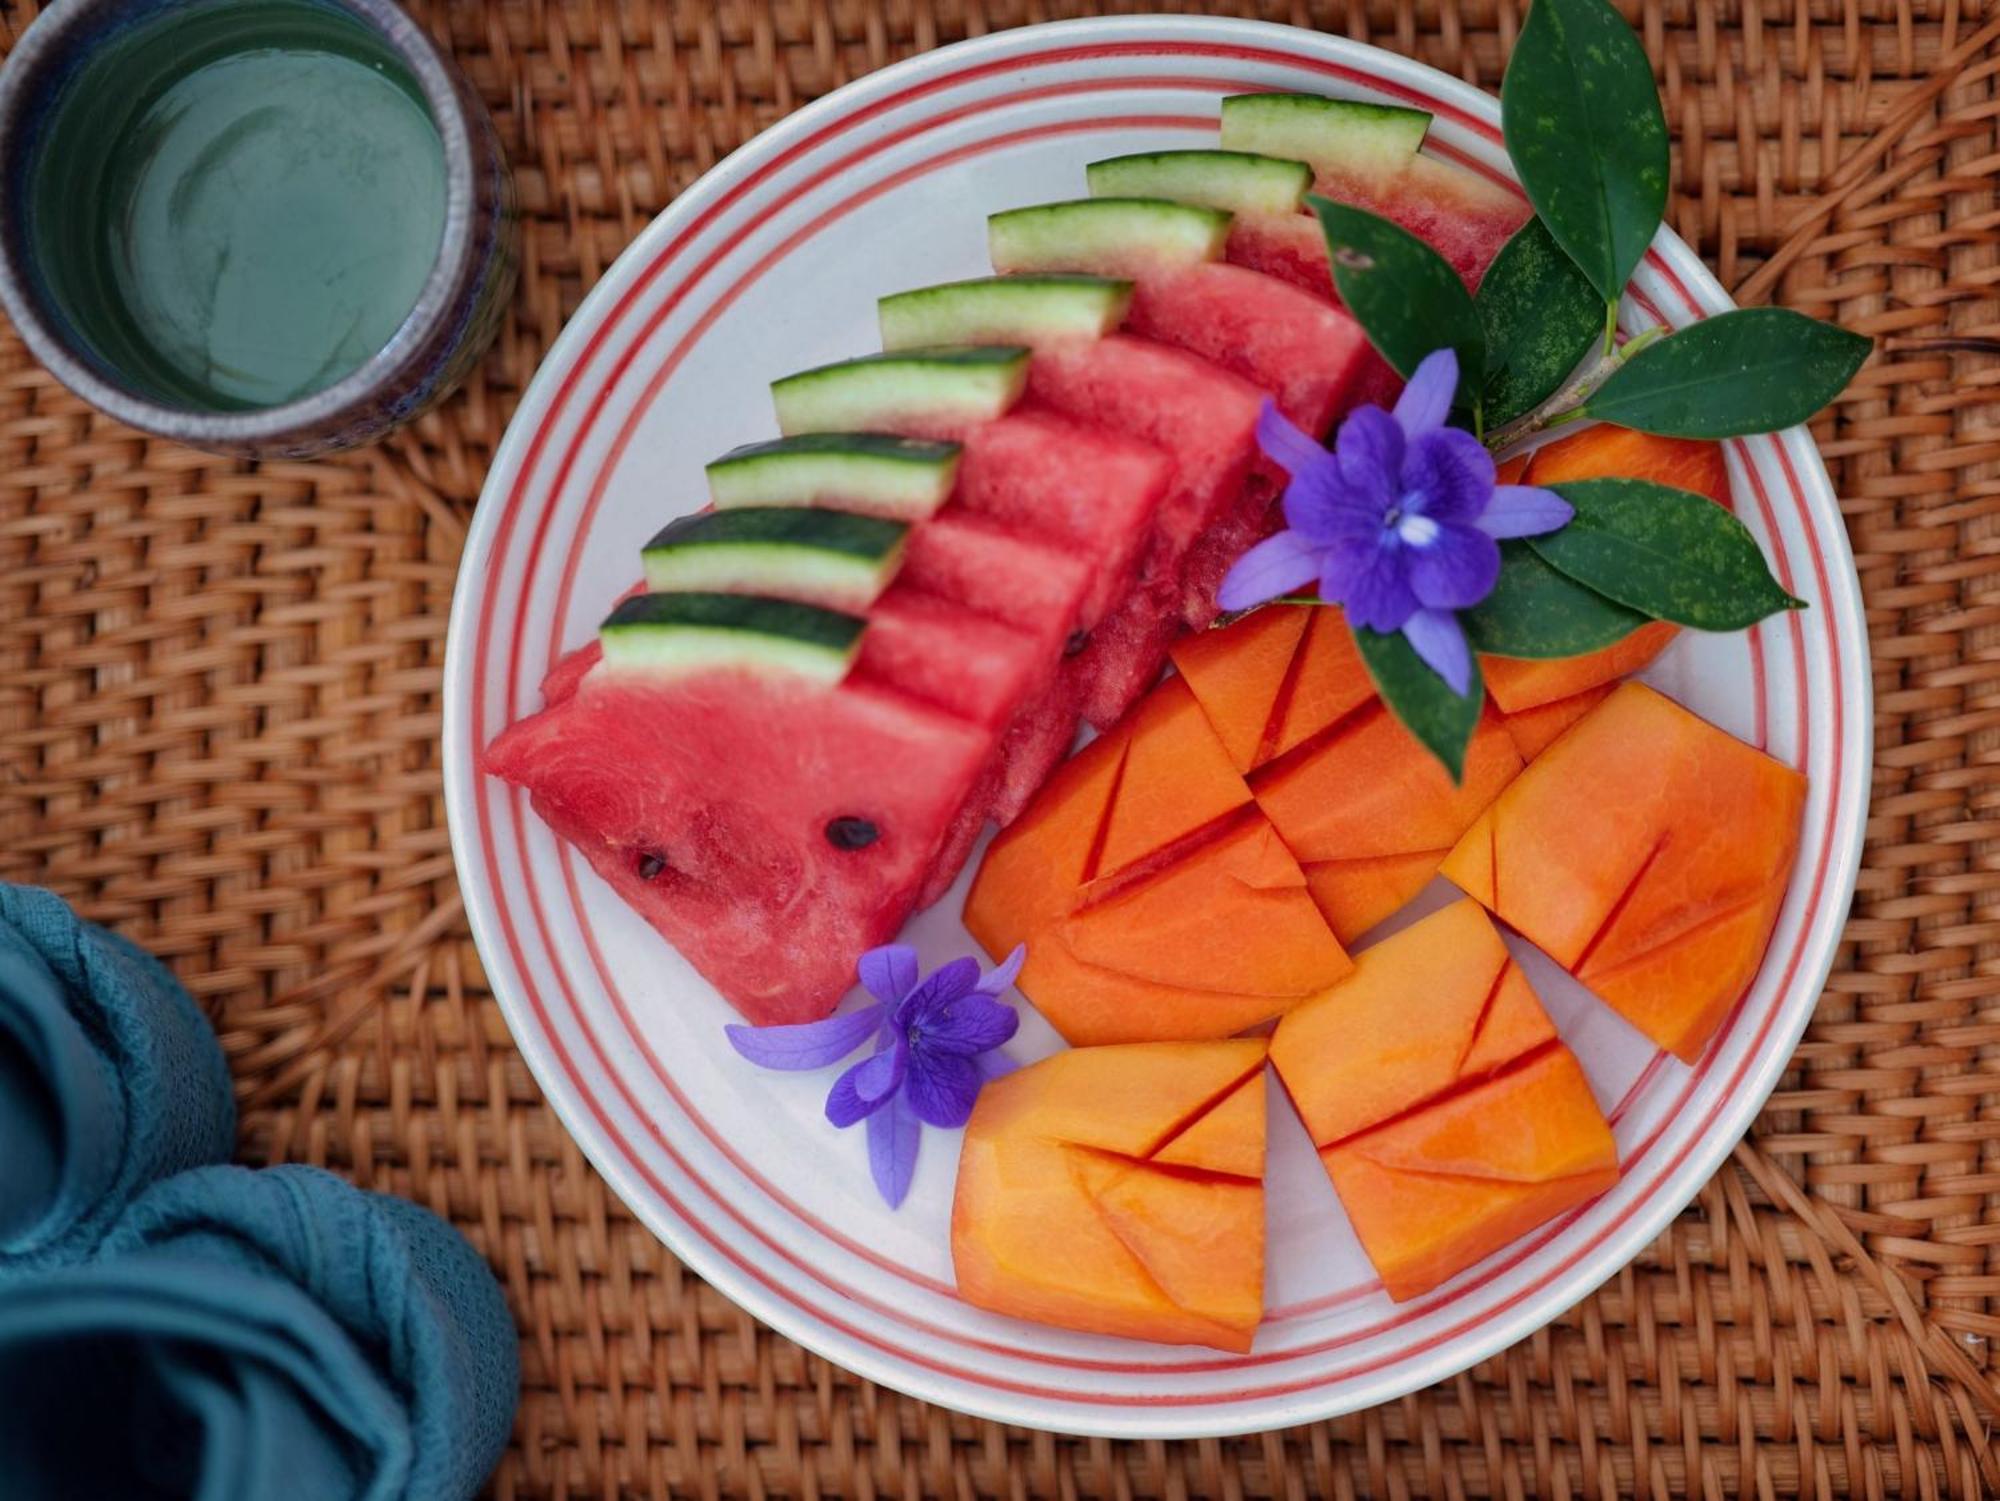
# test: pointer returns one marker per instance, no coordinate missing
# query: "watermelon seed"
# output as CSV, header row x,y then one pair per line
x,y
1076,643
851,833
651,865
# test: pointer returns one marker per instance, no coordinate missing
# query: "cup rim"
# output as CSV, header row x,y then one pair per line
x,y
329,407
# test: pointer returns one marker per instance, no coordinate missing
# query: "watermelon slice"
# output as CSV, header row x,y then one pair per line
x,y
1299,348
1369,155
770,830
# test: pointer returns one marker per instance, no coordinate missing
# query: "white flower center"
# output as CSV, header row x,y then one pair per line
x,y
1417,531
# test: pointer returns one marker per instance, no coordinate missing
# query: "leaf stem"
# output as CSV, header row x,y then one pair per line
x,y
1610,327
1567,404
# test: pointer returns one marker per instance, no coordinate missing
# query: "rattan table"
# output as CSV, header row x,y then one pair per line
x,y
218,731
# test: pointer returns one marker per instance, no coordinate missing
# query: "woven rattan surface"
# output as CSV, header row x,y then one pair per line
x,y
218,730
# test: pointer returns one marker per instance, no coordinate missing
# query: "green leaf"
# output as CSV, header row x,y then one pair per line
x,y
1669,553
1441,720
1755,370
1584,127
1541,317
1405,295
1536,612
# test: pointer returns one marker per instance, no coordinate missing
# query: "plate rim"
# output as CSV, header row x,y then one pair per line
x,y
1215,1419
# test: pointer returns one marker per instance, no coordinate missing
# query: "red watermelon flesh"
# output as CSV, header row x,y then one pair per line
x,y
1301,349
1466,218
1038,472
729,782
972,666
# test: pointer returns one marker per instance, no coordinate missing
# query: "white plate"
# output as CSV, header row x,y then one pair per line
x,y
772,263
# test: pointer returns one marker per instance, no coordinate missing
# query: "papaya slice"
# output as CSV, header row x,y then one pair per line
x,y
1274,679
1156,901
1077,1204
1605,452
1432,1193
1370,814
1435,1041
1662,900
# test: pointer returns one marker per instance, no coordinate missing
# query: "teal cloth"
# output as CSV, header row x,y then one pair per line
x,y
244,1336
110,1080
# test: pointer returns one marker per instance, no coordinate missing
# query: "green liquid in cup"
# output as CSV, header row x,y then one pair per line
x,y
255,214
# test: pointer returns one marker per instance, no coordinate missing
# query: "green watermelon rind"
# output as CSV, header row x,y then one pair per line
x,y
810,553
875,473
1029,309
1332,136
962,385
678,635
1233,182
1105,236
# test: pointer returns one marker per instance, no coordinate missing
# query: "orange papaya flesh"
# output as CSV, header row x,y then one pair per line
x,y
1424,1011
1435,1032
1177,779
1354,895
1237,672
1064,1216
1223,939
1663,899
1535,730
1605,452
1436,1191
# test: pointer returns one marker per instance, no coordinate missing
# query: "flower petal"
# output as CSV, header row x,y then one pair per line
x,y
971,1024
1455,570
994,1065
894,1134
846,1103
1286,444
1000,979
1426,400
940,988
943,1091
807,1045
890,972
1323,507
1367,578
1437,637
1371,446
1453,472
1275,566
1524,511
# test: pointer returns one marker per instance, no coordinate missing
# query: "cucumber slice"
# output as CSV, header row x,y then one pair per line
x,y
932,389
819,557
674,635
1237,182
903,478
1106,236
1332,136
1031,310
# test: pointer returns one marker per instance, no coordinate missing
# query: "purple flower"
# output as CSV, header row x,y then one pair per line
x,y
934,1042
1399,523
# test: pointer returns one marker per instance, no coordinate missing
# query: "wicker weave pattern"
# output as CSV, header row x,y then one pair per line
x,y
218,715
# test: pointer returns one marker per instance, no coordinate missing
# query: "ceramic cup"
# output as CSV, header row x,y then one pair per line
x,y
72,323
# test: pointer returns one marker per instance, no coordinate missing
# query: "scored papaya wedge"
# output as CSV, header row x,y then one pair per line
x,y
1445,1110
1119,1190
1663,899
